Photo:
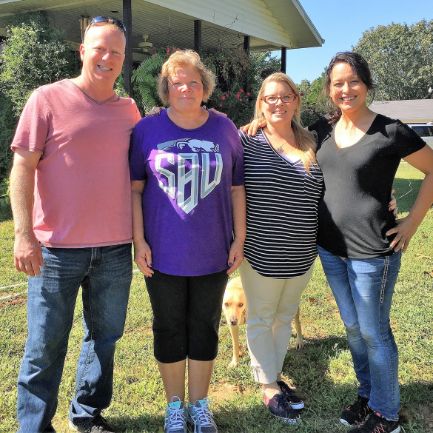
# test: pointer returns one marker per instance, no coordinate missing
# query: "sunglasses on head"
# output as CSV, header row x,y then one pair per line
x,y
108,20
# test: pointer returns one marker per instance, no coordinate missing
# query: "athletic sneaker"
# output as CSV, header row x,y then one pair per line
x,y
175,421
91,425
356,413
375,423
294,401
279,407
200,418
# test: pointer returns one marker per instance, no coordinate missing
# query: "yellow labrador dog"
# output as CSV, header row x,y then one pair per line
x,y
235,311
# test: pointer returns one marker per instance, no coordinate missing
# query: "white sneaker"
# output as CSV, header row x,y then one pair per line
x,y
175,421
200,417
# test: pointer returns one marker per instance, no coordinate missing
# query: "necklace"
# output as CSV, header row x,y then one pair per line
x,y
113,97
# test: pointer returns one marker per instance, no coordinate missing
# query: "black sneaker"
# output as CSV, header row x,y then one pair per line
x,y
356,412
294,401
377,424
279,407
92,425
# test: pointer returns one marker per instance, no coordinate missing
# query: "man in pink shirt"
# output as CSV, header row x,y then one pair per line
x,y
70,195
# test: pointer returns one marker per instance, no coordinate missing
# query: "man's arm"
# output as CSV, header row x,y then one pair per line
x,y
27,250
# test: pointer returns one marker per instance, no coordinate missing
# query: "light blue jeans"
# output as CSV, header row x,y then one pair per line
x,y
105,276
363,289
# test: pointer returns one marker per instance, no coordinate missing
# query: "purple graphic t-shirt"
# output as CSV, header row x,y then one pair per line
x,y
187,206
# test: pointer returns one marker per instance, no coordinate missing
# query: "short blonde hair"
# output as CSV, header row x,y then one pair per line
x,y
304,139
185,58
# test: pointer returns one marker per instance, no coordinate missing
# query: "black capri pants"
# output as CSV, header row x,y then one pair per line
x,y
186,315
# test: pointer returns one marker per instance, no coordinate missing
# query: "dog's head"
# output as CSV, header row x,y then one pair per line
x,y
234,303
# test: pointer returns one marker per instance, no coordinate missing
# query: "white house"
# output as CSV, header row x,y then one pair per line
x,y
198,24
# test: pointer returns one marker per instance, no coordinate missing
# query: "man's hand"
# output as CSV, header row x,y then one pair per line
x,y
27,254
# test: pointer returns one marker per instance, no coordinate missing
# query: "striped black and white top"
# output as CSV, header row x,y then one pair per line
x,y
282,203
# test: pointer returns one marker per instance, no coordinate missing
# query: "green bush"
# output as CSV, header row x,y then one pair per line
x,y
144,81
7,126
33,54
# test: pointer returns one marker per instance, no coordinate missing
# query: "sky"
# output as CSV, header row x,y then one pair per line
x,y
342,22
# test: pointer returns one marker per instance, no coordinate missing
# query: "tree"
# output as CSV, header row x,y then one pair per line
x,y
34,54
401,59
314,100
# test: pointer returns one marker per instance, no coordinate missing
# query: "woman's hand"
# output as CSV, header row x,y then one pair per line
x,y
404,230
252,127
392,205
143,257
236,255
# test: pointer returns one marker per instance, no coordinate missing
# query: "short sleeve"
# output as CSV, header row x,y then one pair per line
x,y
137,161
33,125
137,115
407,141
237,156
238,163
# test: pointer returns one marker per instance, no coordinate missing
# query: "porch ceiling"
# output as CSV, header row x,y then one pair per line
x,y
164,27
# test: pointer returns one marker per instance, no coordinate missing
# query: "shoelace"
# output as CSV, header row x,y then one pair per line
x,y
203,415
176,418
380,428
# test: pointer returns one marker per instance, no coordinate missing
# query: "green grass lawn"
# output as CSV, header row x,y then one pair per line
x,y
321,371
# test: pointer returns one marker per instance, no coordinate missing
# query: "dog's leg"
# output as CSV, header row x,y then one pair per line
x,y
234,331
299,339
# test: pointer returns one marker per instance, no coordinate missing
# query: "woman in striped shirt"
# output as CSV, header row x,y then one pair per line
x,y
283,184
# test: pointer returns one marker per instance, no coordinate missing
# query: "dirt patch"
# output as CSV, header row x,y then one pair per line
x,y
13,300
228,391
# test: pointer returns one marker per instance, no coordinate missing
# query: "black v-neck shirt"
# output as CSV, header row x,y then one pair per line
x,y
354,215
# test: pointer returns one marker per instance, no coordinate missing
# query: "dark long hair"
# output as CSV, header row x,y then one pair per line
x,y
359,66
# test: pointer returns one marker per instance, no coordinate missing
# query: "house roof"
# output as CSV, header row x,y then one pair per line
x,y
271,24
409,111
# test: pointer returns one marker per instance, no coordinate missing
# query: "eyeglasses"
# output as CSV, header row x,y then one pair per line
x,y
107,20
286,99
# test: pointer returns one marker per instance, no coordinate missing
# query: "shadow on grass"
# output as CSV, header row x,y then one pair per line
x,y
141,424
406,191
321,413
5,209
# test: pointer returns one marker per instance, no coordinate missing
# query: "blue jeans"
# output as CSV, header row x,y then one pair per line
x,y
104,274
363,289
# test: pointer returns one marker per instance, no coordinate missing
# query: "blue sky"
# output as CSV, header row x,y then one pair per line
x,y
342,22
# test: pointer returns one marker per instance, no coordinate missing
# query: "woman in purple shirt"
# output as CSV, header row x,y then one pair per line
x,y
188,201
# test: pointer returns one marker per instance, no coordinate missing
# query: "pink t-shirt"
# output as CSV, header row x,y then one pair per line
x,y
82,185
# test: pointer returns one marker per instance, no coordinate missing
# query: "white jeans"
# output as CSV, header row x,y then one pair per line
x,y
272,303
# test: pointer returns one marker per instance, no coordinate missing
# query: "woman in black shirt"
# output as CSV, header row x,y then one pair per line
x,y
359,240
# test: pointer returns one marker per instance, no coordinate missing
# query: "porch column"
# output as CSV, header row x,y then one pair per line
x,y
127,66
247,52
247,45
283,59
197,35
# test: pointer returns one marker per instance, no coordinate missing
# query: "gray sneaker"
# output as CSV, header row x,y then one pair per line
x,y
175,420
200,418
